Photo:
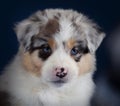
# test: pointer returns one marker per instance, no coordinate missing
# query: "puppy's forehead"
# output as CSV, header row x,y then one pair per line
x,y
61,30
68,31
61,26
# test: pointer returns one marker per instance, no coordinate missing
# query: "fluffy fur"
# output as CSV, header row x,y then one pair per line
x,y
71,40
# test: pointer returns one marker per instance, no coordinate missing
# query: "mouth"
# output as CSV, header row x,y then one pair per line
x,y
59,83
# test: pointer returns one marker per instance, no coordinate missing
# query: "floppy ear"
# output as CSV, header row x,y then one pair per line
x,y
94,38
25,30
29,27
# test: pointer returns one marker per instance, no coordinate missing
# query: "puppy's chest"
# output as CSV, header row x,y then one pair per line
x,y
62,99
54,101
53,98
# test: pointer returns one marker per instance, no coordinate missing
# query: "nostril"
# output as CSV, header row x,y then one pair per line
x,y
62,69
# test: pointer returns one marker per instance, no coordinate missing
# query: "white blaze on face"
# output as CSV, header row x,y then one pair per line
x,y
66,31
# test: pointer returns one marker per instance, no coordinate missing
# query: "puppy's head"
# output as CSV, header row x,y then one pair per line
x,y
58,45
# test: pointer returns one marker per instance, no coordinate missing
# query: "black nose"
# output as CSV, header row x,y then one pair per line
x,y
61,73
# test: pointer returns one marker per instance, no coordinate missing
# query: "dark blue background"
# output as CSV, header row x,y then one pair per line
x,y
105,12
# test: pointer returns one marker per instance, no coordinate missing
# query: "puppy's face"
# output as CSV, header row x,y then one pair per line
x,y
58,45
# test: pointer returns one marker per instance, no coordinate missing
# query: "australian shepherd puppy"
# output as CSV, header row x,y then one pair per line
x,y
55,61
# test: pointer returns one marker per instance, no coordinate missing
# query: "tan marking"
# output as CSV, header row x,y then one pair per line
x,y
70,43
52,43
86,64
32,63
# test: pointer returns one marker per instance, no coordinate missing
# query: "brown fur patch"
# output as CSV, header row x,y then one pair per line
x,y
50,28
32,63
86,64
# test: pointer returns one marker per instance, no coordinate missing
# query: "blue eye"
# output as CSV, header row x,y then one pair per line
x,y
46,49
74,51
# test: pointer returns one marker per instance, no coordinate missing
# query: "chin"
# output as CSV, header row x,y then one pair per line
x,y
55,62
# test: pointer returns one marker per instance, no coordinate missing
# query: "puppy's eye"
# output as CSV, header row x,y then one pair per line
x,y
74,51
45,52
